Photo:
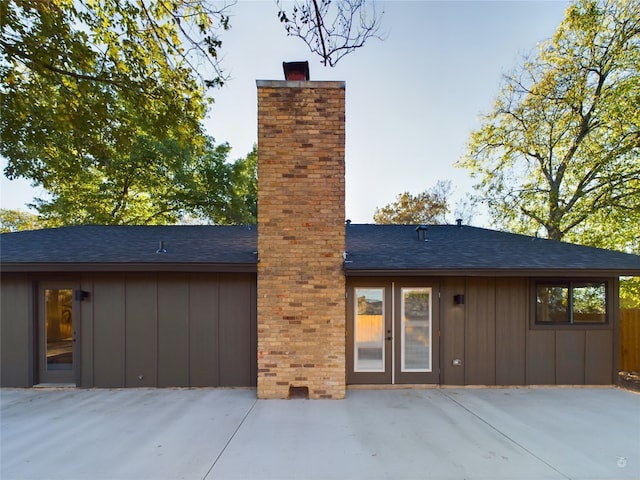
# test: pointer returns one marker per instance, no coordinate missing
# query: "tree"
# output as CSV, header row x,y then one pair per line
x,y
430,206
228,192
95,92
17,220
155,183
245,189
331,29
560,149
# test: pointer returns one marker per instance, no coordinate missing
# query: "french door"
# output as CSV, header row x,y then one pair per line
x,y
57,333
392,333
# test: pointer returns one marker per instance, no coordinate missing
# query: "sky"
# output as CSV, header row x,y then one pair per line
x,y
412,99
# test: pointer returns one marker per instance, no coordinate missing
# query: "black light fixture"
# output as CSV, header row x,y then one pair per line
x,y
458,299
80,295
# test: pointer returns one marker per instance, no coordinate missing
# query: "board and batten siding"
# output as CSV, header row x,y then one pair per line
x,y
143,329
173,330
16,331
493,336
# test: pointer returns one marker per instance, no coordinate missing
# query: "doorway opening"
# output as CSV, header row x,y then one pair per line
x,y
57,328
392,333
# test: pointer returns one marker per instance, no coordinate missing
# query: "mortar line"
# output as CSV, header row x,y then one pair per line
x,y
230,439
505,435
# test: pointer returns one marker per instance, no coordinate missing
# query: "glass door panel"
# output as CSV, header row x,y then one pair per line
x,y
59,328
416,334
57,334
416,330
369,336
392,333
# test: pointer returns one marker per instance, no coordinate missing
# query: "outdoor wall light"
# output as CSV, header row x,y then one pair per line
x,y
80,295
458,299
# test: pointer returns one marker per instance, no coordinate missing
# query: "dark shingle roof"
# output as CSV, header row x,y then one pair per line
x,y
371,249
227,247
449,248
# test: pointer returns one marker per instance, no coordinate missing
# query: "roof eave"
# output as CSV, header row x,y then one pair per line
x,y
130,267
492,272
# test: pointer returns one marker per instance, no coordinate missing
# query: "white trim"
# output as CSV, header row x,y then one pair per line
x,y
393,332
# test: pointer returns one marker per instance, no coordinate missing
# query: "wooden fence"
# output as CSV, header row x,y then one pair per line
x,y
630,340
369,328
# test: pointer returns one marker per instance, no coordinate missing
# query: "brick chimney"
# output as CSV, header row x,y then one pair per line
x,y
301,239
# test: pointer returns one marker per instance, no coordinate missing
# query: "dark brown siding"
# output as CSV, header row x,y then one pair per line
x,y
511,324
599,358
85,335
541,363
203,331
570,357
452,332
480,331
143,330
16,331
173,331
108,302
189,330
236,347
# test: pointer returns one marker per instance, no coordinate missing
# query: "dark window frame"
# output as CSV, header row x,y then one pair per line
x,y
570,324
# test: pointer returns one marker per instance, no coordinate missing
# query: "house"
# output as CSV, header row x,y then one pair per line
x,y
302,303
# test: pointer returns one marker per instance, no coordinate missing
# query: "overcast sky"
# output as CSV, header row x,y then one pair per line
x,y
412,99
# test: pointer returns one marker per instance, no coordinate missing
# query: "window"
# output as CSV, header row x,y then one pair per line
x,y
571,302
416,330
369,330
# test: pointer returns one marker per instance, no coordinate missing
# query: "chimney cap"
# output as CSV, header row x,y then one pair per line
x,y
296,70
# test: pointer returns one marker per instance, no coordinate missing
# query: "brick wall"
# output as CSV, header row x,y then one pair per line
x,y
301,286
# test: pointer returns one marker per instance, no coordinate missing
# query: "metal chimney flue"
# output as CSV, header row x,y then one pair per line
x,y
296,71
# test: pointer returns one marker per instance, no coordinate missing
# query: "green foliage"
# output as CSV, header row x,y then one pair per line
x,y
630,292
226,193
102,103
18,220
245,189
156,184
430,206
560,150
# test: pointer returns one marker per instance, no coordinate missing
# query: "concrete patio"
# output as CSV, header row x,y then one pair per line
x,y
449,433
